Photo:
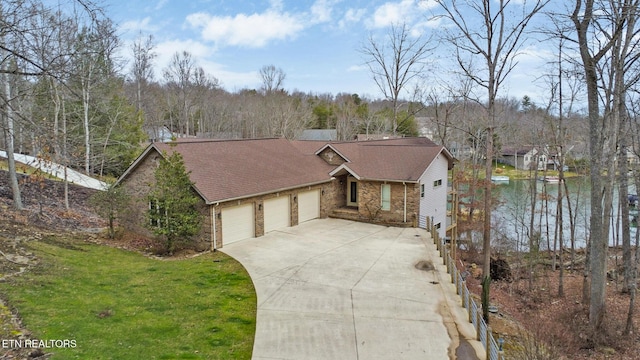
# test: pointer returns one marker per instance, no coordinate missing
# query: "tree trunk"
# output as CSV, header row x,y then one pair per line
x,y
9,141
486,232
634,276
623,199
560,226
87,138
65,155
572,225
534,238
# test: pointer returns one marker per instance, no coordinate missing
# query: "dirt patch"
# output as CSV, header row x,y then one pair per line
x,y
532,316
465,351
425,265
460,347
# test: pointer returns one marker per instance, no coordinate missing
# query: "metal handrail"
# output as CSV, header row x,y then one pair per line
x,y
483,331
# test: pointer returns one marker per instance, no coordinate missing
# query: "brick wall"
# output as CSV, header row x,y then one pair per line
x,y
331,157
369,203
137,185
334,196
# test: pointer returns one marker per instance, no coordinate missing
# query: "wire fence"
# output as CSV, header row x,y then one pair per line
x,y
483,331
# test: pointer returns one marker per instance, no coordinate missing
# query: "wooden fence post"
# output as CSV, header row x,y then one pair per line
x,y
478,322
488,337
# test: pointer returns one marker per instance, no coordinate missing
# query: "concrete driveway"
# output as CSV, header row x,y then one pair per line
x,y
336,289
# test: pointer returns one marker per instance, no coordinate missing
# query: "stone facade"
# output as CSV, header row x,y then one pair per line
x,y
331,157
369,207
138,185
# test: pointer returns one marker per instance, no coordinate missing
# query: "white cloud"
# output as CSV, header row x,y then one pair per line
x,y
356,68
321,10
404,11
393,13
142,25
202,54
161,4
258,29
231,80
165,51
277,4
255,30
425,5
352,16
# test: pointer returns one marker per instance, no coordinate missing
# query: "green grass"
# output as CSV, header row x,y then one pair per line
x,y
514,174
121,305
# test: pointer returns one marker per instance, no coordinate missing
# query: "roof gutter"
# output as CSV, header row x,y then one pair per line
x,y
391,180
209,202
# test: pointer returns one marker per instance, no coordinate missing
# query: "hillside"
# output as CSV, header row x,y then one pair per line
x,y
44,205
44,214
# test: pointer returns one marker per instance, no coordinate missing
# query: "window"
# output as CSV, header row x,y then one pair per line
x,y
421,190
352,192
156,213
438,226
437,183
385,197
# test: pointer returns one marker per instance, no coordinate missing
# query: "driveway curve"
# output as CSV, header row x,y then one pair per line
x,y
337,289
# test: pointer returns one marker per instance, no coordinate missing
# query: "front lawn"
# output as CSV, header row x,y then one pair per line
x,y
116,304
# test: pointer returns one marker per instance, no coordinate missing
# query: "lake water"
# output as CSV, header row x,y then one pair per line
x,y
511,219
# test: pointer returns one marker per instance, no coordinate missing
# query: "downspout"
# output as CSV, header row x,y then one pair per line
x,y
405,201
214,247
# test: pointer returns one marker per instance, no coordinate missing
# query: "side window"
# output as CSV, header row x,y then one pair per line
x,y
153,213
421,190
385,197
437,183
156,213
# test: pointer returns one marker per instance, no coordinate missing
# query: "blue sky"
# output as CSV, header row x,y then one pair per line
x,y
314,42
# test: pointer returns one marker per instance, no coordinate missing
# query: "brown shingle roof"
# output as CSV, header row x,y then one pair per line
x,y
231,169
394,160
223,170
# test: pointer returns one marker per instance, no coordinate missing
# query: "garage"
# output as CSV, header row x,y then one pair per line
x,y
237,223
276,213
308,205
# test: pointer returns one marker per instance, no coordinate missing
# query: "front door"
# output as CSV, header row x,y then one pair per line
x,y
352,192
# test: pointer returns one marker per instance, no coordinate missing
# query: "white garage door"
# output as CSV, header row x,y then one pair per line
x,y
276,213
237,223
308,205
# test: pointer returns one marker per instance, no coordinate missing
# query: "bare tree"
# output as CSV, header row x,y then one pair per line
x,y
494,35
142,69
272,78
13,16
634,125
349,110
26,54
395,62
94,66
8,127
179,77
606,21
